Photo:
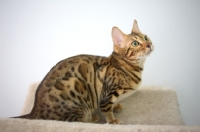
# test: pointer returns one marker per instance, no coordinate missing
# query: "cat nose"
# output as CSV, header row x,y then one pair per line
x,y
148,45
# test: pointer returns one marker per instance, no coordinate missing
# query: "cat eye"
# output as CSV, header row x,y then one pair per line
x,y
135,43
145,37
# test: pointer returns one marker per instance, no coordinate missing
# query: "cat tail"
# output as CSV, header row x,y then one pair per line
x,y
27,116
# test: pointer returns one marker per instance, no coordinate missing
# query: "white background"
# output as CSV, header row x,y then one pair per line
x,y
35,35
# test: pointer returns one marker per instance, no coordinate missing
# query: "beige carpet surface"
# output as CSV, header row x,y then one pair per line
x,y
23,125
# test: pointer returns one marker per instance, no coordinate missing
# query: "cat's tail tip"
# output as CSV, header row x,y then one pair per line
x,y
23,116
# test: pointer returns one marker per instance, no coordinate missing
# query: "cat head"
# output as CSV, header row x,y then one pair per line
x,y
134,46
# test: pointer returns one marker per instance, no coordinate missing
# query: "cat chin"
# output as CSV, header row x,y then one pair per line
x,y
137,59
142,58
147,52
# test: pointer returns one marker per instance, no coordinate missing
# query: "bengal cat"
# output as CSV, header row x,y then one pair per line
x,y
75,87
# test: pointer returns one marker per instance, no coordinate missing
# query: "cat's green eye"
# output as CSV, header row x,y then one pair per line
x,y
145,37
135,43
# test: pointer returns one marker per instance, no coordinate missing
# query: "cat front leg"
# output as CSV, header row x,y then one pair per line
x,y
107,108
110,117
117,107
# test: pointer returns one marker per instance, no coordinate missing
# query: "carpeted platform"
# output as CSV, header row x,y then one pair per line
x,y
149,109
149,105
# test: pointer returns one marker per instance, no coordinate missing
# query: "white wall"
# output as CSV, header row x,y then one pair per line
x,y
35,35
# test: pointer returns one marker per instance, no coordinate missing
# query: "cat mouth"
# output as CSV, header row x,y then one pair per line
x,y
141,55
148,51
144,54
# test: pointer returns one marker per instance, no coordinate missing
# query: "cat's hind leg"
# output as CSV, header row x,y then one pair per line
x,y
90,118
95,118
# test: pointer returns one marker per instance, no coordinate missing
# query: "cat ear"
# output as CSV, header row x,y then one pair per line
x,y
135,27
118,37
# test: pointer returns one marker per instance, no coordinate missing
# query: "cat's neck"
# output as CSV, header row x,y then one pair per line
x,y
123,61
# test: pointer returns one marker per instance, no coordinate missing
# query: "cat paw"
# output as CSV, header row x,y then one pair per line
x,y
115,121
118,108
95,118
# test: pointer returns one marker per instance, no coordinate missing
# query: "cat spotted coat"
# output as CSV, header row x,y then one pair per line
x,y
75,87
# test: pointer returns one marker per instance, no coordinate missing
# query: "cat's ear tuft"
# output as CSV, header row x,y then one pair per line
x,y
135,27
117,36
